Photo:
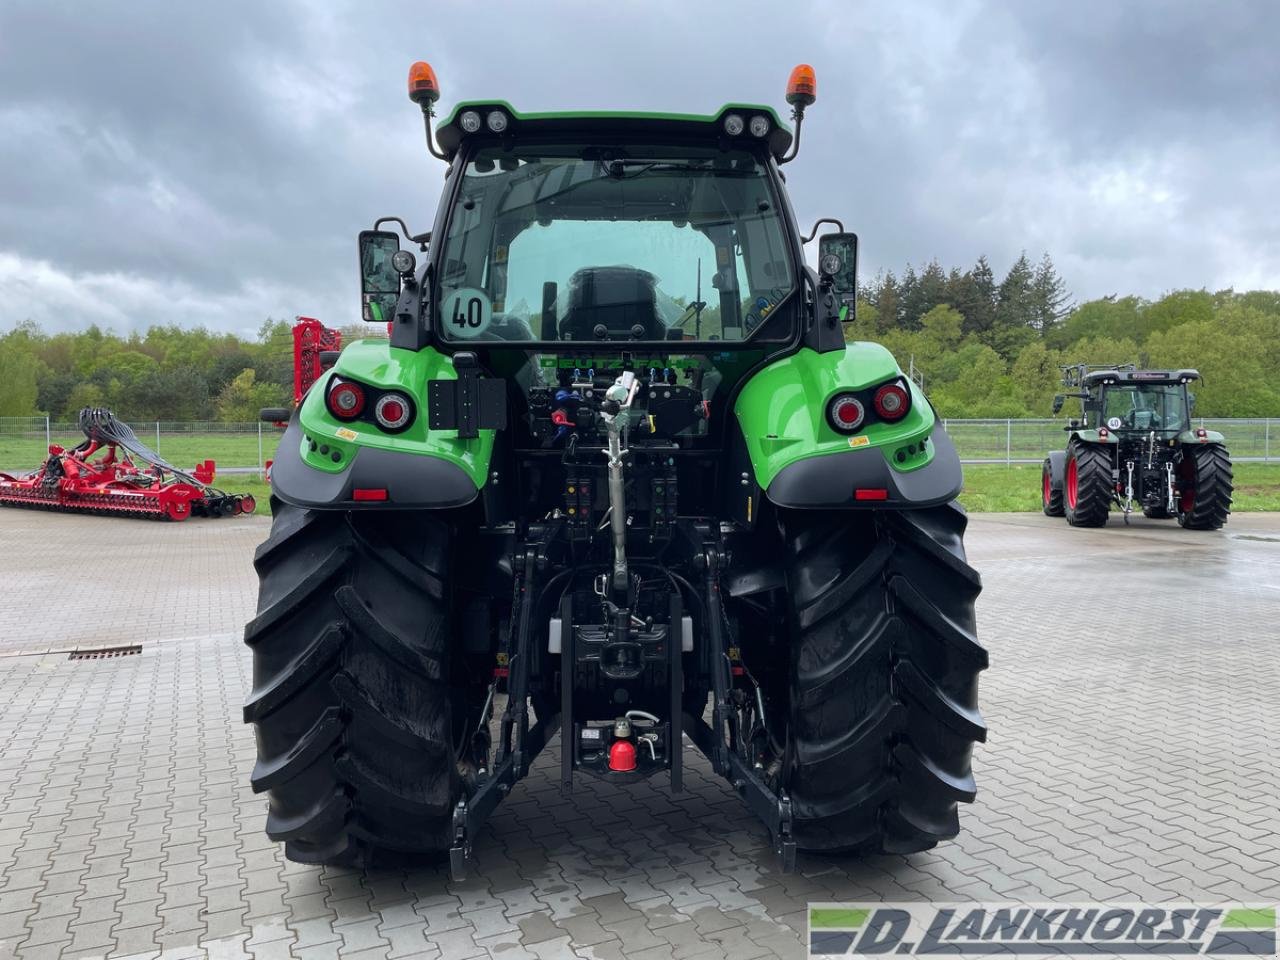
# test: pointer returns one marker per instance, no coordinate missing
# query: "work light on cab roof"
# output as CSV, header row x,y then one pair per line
x,y
498,119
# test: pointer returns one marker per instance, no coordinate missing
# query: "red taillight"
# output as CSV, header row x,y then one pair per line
x,y
392,411
346,400
845,413
369,493
871,493
892,402
1102,433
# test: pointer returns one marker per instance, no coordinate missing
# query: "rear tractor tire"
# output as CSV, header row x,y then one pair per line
x,y
1204,487
1050,495
355,718
1087,484
884,678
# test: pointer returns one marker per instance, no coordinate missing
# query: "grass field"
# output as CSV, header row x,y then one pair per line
x,y
181,449
987,488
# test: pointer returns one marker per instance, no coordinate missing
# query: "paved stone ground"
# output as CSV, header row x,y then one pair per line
x,y
1127,761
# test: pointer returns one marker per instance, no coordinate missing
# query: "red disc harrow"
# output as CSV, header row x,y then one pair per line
x,y
102,475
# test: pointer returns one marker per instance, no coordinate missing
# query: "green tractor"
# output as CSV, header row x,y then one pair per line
x,y
616,474
1134,447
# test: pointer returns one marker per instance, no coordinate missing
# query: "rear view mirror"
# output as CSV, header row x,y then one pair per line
x,y
379,280
1058,400
838,263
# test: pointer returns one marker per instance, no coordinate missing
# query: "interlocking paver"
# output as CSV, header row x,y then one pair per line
x,y
1123,763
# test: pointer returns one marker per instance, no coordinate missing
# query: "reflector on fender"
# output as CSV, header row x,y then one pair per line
x,y
871,493
369,493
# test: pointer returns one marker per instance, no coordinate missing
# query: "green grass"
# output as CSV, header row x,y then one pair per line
x,y
182,450
994,488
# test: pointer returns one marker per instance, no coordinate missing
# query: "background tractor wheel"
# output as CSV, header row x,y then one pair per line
x,y
1086,485
355,717
884,678
1050,495
1204,487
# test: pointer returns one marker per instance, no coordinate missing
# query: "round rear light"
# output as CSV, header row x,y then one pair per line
x,y
845,413
392,411
892,402
469,121
734,125
346,400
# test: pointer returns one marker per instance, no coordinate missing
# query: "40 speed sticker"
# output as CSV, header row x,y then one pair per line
x,y
467,313
1034,930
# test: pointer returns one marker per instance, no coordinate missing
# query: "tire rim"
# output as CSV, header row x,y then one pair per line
x,y
1046,488
1072,483
1186,489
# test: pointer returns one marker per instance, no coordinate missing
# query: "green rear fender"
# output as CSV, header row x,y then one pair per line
x,y
322,460
1191,438
799,460
1092,436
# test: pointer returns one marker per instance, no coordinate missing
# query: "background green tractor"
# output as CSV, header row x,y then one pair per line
x,y
615,474
1134,447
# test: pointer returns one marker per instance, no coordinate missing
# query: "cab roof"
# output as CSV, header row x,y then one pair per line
x,y
605,124
1129,375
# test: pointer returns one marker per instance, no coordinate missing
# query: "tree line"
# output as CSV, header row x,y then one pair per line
x,y
993,349
166,373
985,348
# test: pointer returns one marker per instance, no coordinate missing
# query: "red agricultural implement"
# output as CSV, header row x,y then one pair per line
x,y
315,349
102,475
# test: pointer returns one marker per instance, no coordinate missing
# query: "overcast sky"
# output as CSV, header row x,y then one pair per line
x,y
211,163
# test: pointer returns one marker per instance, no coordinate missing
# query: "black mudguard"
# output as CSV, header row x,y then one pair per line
x,y
829,481
412,482
1057,467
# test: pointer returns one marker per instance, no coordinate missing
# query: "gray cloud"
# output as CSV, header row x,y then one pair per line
x,y
213,163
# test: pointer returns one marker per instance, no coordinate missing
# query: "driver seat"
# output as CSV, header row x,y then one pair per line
x,y
621,299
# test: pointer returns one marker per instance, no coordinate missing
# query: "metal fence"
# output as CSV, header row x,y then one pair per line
x,y
1027,441
241,447
247,446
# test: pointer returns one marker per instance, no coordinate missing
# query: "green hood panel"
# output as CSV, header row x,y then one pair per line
x,y
378,364
782,411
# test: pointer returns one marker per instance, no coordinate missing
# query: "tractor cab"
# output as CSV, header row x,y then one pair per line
x,y
1125,399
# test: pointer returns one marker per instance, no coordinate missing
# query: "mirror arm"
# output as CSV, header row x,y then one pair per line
x,y
428,112
421,239
814,232
404,228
